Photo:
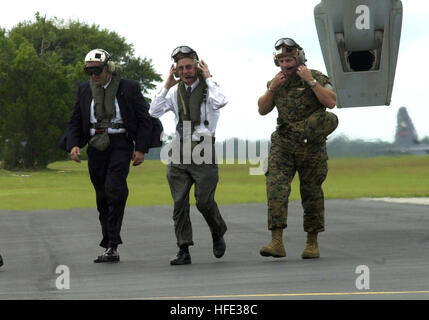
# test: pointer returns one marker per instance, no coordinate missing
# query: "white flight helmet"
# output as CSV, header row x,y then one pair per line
x,y
100,55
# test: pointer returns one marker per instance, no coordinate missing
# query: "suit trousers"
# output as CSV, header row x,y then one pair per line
x,y
181,177
108,171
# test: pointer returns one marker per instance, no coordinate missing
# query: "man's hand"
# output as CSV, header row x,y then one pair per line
x,y
266,102
277,81
138,158
171,81
326,96
304,73
204,69
75,154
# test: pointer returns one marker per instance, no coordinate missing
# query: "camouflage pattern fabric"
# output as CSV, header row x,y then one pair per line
x,y
299,145
319,125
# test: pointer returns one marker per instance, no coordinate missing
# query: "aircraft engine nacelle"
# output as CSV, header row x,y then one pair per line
x,y
360,43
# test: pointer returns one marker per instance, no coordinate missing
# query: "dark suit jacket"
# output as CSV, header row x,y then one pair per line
x,y
134,112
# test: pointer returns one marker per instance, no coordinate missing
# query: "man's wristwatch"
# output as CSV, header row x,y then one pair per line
x,y
312,83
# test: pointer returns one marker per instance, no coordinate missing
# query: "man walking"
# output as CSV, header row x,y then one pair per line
x,y
111,115
195,99
298,145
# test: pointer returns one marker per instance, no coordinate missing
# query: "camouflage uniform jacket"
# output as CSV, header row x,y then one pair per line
x,y
295,102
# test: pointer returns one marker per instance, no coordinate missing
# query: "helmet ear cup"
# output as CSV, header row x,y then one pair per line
x,y
196,64
276,61
111,66
301,56
176,71
109,63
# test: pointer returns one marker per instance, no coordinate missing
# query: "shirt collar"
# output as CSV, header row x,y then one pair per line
x,y
193,86
107,84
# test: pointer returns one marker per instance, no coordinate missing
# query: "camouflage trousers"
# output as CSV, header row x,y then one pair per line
x,y
310,161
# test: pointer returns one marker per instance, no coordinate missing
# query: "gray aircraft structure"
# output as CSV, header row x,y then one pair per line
x,y
406,139
360,43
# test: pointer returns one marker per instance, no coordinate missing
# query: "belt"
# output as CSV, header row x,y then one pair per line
x,y
110,134
112,125
101,128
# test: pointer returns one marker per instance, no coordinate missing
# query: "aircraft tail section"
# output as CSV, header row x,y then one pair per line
x,y
406,134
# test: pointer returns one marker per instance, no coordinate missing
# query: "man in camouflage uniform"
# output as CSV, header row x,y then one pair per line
x,y
301,96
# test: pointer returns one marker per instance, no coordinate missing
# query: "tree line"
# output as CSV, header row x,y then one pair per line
x,y
338,147
41,65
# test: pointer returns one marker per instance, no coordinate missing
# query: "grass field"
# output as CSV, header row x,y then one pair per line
x,y
66,184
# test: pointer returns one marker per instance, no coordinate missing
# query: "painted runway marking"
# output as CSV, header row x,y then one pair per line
x,y
273,295
423,201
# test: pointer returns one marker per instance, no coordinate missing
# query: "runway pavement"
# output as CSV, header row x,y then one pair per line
x,y
45,251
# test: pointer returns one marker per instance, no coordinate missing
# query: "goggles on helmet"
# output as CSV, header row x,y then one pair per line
x,y
287,43
183,51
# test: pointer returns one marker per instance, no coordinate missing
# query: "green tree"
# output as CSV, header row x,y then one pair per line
x,y
41,66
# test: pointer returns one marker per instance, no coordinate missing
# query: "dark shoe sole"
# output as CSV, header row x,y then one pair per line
x,y
308,257
179,263
103,259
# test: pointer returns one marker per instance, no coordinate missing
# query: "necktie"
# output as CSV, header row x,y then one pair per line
x,y
189,89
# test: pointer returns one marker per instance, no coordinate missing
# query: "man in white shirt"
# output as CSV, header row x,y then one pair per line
x,y
195,99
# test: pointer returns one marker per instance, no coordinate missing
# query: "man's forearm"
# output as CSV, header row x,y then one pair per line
x,y
326,96
266,102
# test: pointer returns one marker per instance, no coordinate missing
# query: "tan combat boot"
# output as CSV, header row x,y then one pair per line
x,y
276,248
311,251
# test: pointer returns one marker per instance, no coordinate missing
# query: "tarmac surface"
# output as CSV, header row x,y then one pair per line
x,y
370,250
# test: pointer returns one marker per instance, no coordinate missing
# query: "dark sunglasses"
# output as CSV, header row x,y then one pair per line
x,y
183,50
93,70
287,43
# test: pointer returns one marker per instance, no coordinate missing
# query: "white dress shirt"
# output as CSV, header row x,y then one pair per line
x,y
166,100
117,119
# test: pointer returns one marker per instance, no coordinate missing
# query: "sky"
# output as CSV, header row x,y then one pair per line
x,y
236,39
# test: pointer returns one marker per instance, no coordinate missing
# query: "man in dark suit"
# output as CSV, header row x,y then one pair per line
x,y
111,115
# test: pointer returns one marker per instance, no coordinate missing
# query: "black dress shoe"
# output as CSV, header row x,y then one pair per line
x,y
110,255
219,246
181,257
1,261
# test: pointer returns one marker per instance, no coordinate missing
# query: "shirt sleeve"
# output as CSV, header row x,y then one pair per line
x,y
321,78
161,103
215,97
